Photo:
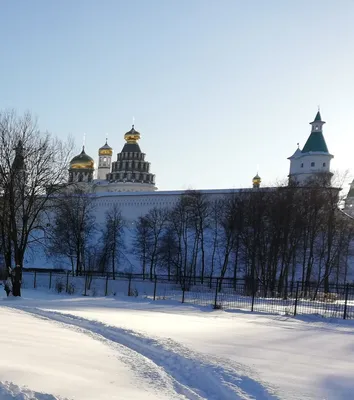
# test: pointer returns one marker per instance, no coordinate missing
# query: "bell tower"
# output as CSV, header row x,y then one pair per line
x,y
104,161
131,172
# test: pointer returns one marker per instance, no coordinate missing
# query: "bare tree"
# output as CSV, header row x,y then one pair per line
x,y
168,252
200,213
33,165
112,236
148,233
72,226
156,220
214,237
141,242
181,222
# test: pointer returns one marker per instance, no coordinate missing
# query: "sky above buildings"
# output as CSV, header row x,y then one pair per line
x,y
218,89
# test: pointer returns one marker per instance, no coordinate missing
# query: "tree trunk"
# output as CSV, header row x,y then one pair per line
x,y
16,281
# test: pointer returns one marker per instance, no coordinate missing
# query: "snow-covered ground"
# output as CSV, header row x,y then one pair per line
x,y
62,347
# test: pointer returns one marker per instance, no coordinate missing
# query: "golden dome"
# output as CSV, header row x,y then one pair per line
x,y
256,181
105,150
82,161
132,136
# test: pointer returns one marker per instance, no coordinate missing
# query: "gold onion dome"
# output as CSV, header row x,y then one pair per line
x,y
105,150
132,136
256,180
82,161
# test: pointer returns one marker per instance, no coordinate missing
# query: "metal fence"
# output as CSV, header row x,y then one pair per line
x,y
337,301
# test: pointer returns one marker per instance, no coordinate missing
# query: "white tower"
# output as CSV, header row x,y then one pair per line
x,y
104,161
313,161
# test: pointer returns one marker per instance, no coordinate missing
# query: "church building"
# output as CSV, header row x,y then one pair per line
x,y
129,181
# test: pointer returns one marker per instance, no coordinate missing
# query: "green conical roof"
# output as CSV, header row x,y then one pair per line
x,y
316,143
318,117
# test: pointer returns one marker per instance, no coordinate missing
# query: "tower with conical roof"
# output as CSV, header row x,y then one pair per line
x,y
81,168
131,172
104,161
313,161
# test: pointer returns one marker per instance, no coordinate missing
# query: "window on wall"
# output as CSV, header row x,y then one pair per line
x,y
312,164
302,165
324,164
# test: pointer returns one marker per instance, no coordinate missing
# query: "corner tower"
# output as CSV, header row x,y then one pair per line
x,y
313,161
131,172
104,161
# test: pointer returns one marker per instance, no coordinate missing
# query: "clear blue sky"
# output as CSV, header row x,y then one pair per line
x,y
216,87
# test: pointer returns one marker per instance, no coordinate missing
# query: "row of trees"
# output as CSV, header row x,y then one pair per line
x,y
272,236
73,233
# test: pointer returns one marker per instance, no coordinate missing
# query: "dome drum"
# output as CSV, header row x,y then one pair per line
x,y
105,152
132,136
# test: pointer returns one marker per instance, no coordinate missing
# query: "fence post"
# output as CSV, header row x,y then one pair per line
x,y
253,293
67,281
155,284
106,288
216,294
346,301
35,280
50,280
296,297
129,283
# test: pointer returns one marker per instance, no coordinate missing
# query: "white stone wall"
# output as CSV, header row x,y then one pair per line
x,y
132,205
103,186
135,204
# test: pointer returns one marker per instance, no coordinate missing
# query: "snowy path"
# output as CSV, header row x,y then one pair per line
x,y
41,360
193,375
180,351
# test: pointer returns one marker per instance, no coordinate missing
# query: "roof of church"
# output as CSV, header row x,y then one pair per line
x,y
131,148
318,117
82,160
315,143
106,146
296,154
